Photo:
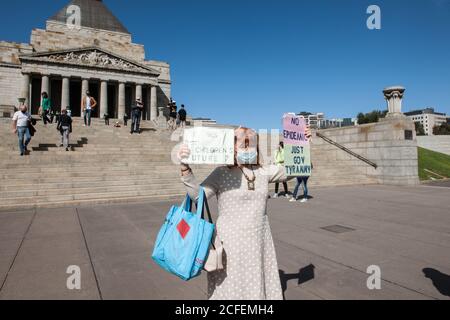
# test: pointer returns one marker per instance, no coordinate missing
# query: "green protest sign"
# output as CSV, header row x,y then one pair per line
x,y
297,160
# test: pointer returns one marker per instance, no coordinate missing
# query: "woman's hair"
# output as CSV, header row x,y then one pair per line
x,y
45,95
249,134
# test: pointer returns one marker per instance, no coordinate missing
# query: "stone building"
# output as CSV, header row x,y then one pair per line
x,y
83,47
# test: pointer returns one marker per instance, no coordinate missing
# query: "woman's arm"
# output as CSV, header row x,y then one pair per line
x,y
190,182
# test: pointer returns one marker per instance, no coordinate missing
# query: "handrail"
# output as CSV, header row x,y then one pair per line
x,y
334,143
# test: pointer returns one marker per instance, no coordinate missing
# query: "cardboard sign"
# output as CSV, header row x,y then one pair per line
x,y
297,160
210,146
294,131
297,150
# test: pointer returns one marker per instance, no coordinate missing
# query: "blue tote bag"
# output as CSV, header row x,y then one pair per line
x,y
183,243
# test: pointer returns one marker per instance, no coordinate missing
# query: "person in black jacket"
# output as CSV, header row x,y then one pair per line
x,y
65,127
136,112
182,115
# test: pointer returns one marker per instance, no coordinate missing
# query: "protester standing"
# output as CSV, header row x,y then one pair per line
x,y
88,105
250,269
20,126
279,160
65,128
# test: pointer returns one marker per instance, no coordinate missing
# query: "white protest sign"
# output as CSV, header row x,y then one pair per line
x,y
210,146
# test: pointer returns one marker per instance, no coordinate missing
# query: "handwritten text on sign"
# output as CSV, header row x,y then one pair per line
x,y
210,146
294,131
296,147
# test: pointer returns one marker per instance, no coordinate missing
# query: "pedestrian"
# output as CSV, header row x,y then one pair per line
x,y
106,117
182,115
250,269
20,126
300,181
88,105
279,160
125,120
136,114
52,116
57,116
65,128
45,108
173,116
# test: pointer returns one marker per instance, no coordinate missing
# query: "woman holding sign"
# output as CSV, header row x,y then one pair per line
x,y
250,264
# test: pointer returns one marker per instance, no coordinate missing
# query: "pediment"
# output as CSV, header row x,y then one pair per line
x,y
90,57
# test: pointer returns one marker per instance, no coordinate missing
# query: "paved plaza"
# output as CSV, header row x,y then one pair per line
x,y
403,230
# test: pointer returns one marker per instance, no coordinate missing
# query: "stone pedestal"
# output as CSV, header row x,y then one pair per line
x,y
394,96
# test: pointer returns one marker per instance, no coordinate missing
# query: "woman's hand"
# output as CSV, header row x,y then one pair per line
x,y
183,155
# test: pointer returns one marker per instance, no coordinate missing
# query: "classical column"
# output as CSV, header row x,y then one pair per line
x,y
394,96
25,91
138,91
65,95
103,98
84,89
121,111
45,87
153,103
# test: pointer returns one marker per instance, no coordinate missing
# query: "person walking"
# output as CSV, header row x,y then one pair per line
x,y
65,128
20,126
173,116
279,160
106,117
88,105
182,115
250,269
45,108
136,114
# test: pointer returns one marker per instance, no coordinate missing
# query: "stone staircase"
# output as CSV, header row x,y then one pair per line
x,y
108,165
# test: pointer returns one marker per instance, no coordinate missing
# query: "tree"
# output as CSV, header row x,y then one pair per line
x,y
419,129
371,117
443,129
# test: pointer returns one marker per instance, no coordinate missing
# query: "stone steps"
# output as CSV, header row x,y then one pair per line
x,y
111,166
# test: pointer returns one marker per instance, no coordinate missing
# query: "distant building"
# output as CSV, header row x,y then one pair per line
x,y
313,119
318,121
428,118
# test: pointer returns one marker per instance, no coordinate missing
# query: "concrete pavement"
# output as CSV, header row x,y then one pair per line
x,y
403,230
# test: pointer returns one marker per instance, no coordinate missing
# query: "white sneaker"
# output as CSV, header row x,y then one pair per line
x,y
287,196
275,196
293,200
304,200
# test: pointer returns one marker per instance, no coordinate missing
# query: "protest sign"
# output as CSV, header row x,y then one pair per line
x,y
297,150
210,146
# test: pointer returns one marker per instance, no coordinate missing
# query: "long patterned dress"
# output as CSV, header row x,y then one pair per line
x,y
251,268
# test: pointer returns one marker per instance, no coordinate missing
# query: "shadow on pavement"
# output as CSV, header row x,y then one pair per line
x,y
440,280
304,275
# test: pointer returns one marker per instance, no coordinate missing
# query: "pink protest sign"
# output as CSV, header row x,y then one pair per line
x,y
294,130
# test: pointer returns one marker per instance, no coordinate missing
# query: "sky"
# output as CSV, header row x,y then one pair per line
x,y
247,62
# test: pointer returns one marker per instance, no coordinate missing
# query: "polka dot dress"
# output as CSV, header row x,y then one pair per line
x,y
250,263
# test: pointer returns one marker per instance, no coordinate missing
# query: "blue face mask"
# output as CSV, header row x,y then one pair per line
x,y
247,157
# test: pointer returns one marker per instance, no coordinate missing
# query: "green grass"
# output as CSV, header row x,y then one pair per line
x,y
434,161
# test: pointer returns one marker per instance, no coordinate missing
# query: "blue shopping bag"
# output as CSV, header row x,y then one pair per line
x,y
183,243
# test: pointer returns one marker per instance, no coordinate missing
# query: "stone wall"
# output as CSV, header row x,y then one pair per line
x,y
10,51
10,84
383,143
435,143
58,36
